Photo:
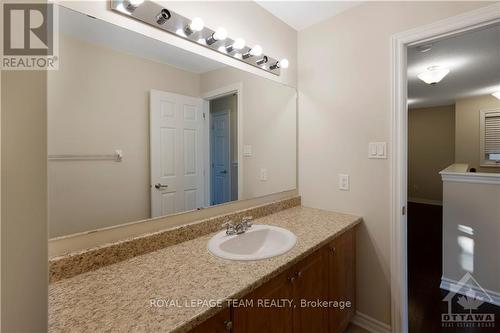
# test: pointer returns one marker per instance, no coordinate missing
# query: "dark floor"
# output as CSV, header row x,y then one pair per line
x,y
424,275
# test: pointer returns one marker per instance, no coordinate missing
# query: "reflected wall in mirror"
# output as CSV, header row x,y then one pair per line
x,y
191,132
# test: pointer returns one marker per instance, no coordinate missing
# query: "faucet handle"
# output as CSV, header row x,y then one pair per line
x,y
247,221
230,227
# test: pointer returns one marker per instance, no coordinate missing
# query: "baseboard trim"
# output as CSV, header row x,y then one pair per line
x,y
425,201
447,284
370,324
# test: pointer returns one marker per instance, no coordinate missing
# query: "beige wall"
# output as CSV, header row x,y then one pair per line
x,y
467,129
98,101
431,148
475,207
344,103
269,126
24,201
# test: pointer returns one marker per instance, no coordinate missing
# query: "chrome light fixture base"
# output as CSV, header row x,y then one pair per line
x,y
156,15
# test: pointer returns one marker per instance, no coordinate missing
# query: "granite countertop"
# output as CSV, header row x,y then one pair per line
x,y
118,297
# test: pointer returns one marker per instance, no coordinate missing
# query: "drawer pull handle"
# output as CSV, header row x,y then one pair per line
x,y
228,325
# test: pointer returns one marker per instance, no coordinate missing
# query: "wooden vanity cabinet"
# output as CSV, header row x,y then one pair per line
x,y
342,279
220,323
326,275
262,319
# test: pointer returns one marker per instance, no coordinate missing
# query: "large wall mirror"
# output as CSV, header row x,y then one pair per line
x,y
140,129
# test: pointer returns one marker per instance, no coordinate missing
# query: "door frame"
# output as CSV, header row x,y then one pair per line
x,y
399,42
211,143
235,88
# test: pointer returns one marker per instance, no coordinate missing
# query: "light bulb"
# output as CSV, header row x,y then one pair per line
x,y
136,3
196,24
239,43
220,34
433,74
256,50
284,63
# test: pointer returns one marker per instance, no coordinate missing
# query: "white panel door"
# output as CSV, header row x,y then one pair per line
x,y
220,156
176,134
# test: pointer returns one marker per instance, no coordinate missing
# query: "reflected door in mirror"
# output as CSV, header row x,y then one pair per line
x,y
221,160
176,153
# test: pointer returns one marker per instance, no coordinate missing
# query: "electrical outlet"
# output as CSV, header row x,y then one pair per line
x,y
263,174
343,182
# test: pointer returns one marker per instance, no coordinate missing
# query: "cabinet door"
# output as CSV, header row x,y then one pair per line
x,y
220,323
260,319
310,288
342,279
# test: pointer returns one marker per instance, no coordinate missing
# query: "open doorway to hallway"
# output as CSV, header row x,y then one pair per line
x,y
223,116
454,183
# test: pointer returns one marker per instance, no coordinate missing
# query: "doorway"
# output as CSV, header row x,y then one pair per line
x,y
399,190
223,129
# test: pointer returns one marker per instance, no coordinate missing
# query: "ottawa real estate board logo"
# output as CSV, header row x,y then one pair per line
x,y
466,300
29,36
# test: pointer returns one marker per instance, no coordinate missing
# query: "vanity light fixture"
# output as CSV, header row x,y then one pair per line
x,y
238,44
131,5
163,16
283,63
433,74
196,25
254,52
262,60
496,94
194,30
219,34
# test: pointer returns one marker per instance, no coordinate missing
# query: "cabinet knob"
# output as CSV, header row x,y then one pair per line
x,y
291,279
332,249
298,274
228,325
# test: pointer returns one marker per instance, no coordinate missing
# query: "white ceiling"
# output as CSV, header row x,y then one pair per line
x,y
474,62
302,14
109,35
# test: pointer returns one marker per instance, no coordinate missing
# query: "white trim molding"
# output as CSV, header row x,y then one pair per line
x,y
370,324
492,296
471,20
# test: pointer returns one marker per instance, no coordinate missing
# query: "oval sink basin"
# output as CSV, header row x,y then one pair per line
x,y
259,242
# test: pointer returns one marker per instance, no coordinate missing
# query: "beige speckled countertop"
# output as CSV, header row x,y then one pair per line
x,y
117,297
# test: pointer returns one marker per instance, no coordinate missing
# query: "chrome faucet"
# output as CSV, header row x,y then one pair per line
x,y
232,229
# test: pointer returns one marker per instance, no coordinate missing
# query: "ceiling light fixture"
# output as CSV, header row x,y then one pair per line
x,y
433,74
283,63
163,16
254,52
497,94
196,24
238,44
219,34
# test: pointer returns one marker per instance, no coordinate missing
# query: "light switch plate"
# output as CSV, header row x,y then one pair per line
x,y
343,182
377,150
263,174
247,150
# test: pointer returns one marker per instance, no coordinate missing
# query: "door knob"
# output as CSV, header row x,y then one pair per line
x,y
160,186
